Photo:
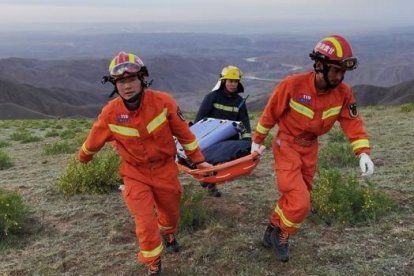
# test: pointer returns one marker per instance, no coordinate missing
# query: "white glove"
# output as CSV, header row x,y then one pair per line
x,y
365,162
257,148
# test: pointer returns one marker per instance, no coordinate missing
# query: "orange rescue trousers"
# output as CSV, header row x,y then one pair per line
x,y
152,194
295,167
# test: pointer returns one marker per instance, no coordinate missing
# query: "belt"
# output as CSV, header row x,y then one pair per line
x,y
150,163
307,141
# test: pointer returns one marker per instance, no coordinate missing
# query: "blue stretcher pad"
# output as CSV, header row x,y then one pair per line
x,y
210,131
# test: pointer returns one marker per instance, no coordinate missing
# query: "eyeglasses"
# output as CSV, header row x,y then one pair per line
x,y
128,67
347,64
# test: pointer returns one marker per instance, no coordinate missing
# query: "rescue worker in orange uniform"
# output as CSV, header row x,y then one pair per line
x,y
142,122
305,106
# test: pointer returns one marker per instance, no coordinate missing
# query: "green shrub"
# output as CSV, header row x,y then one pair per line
x,y
45,124
52,133
4,144
5,161
24,136
68,134
338,199
80,138
97,177
408,107
58,148
336,136
12,212
193,212
336,155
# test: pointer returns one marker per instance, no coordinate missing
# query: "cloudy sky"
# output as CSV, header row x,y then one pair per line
x,y
374,12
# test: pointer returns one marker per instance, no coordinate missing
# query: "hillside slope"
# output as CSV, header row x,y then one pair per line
x,y
372,95
94,234
23,99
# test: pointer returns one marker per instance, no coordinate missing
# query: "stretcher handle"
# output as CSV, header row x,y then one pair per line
x,y
219,167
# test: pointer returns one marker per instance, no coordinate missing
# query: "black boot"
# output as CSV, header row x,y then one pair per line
x,y
203,184
170,243
213,191
266,237
154,268
280,244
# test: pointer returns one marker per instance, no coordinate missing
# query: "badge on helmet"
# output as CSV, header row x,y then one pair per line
x,y
335,50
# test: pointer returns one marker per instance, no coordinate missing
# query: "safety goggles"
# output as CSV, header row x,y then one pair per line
x,y
346,64
128,67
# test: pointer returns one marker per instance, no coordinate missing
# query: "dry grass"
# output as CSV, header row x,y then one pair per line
x,y
93,235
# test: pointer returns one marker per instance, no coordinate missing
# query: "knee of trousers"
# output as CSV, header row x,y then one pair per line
x,y
302,210
146,226
296,208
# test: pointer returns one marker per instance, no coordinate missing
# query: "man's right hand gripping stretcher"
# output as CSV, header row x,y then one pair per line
x,y
257,148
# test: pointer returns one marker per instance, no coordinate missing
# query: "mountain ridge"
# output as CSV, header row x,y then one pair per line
x,y
22,101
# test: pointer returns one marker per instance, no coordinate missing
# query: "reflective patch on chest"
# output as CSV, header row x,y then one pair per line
x,y
305,99
353,112
123,118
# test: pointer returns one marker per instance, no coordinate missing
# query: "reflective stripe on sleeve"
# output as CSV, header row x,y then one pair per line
x,y
361,143
261,129
191,146
246,135
86,151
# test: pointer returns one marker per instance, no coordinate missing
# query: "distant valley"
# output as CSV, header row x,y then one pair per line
x,y
51,79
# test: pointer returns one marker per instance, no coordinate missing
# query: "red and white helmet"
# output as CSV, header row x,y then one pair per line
x,y
127,63
335,50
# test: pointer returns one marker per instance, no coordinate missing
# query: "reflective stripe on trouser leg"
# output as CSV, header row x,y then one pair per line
x,y
140,202
295,166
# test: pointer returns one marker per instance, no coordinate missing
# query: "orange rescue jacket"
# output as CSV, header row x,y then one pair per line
x,y
144,135
303,113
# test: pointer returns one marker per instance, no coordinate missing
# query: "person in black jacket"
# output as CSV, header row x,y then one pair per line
x,y
224,102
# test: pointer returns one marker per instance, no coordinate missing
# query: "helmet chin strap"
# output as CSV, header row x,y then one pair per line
x,y
325,71
132,99
133,102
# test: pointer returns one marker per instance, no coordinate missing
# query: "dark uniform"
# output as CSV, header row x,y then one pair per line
x,y
220,105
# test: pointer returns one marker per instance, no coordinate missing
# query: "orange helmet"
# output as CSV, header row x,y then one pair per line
x,y
335,50
127,63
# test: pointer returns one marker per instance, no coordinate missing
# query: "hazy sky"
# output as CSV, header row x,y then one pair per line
x,y
382,12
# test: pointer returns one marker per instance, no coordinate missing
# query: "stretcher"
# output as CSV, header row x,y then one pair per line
x,y
224,172
210,131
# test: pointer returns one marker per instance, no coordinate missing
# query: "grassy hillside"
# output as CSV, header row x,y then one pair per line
x,y
92,235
